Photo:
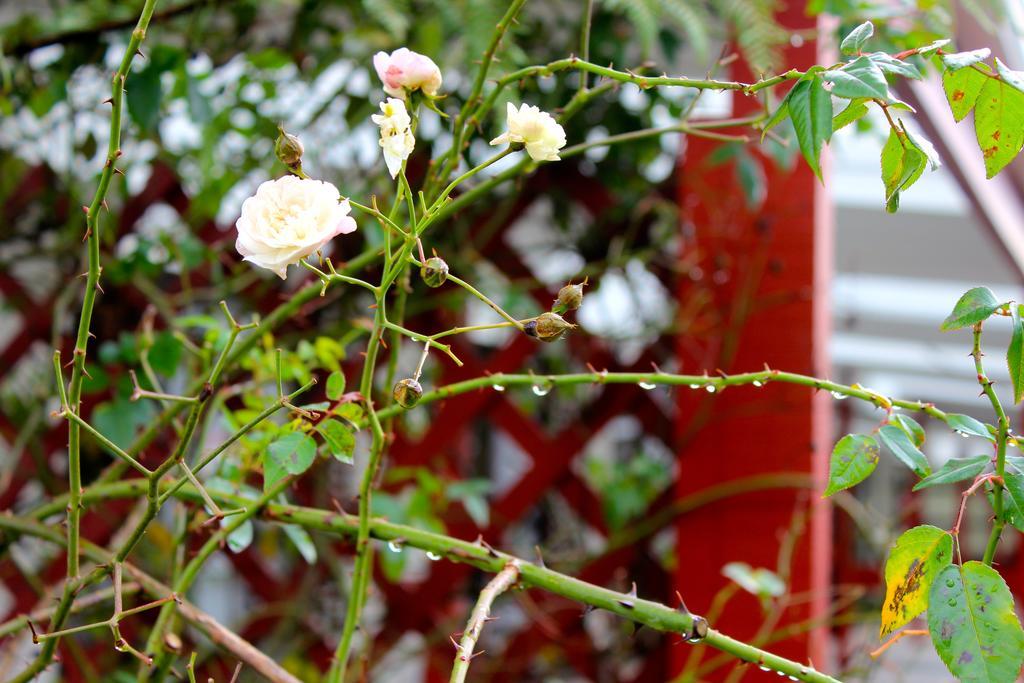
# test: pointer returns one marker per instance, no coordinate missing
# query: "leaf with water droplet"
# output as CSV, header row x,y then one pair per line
x,y
914,561
973,624
965,424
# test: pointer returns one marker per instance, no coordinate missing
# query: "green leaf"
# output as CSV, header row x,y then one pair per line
x,y
890,65
340,439
335,385
1013,482
301,540
853,459
902,164
241,538
914,561
973,624
856,38
854,111
960,60
974,306
810,108
910,426
1015,355
761,582
859,78
999,124
957,469
965,424
293,453
925,147
897,441
778,116
962,88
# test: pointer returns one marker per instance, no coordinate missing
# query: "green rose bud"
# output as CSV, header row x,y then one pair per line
x,y
407,392
569,298
288,149
434,272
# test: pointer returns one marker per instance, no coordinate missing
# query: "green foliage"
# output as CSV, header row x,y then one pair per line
x,y
292,454
900,445
1015,354
335,385
954,470
760,582
853,460
999,122
902,164
968,426
854,41
810,109
973,624
339,438
914,561
975,306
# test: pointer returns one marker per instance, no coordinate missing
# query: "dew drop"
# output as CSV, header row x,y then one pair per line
x,y
395,546
695,639
780,673
646,386
711,388
838,396
950,583
695,386
765,668
951,602
757,383
498,387
793,678
431,555
539,390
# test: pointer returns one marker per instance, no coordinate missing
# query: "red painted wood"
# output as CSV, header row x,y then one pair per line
x,y
763,278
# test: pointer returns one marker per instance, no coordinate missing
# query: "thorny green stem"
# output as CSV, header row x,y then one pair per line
x,y
154,645
74,392
450,161
1002,431
364,557
717,383
481,614
477,554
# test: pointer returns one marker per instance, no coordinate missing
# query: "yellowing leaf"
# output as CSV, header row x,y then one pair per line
x,y
914,561
999,124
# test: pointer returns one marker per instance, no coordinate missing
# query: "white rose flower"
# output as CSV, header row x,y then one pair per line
x,y
535,129
404,70
288,219
396,136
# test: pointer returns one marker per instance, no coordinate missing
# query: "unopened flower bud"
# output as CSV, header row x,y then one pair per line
x,y
547,327
407,392
434,272
288,149
569,298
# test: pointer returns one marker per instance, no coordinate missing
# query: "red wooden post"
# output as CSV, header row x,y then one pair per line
x,y
758,296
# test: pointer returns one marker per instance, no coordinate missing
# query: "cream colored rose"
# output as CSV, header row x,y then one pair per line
x,y
288,219
536,130
396,136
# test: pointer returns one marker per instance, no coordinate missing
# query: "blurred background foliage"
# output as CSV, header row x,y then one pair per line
x,y
204,104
